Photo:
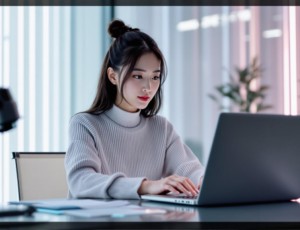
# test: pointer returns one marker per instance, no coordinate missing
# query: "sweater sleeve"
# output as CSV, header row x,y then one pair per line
x,y
180,159
83,167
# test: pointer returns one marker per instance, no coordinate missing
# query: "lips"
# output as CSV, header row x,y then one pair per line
x,y
144,98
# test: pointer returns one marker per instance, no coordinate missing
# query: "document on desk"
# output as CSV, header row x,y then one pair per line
x,y
67,204
114,212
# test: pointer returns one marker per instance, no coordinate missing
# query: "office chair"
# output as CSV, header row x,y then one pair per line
x,y
41,175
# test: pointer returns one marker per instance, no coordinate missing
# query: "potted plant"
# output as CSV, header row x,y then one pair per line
x,y
240,90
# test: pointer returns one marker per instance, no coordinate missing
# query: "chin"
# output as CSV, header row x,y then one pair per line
x,y
142,107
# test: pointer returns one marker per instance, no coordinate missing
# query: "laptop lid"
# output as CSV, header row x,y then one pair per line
x,y
254,158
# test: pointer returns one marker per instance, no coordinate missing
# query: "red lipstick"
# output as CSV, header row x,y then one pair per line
x,y
144,98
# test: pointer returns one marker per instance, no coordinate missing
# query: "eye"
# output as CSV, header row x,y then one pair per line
x,y
137,76
156,78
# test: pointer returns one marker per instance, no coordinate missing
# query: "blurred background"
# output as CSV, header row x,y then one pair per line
x,y
50,59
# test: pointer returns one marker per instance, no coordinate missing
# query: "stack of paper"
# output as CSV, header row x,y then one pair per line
x,y
89,208
59,206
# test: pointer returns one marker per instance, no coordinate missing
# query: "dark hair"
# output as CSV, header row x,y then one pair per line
x,y
128,46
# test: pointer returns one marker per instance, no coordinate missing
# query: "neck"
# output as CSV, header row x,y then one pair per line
x,y
124,118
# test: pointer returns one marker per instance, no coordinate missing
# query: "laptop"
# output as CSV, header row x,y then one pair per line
x,y
254,158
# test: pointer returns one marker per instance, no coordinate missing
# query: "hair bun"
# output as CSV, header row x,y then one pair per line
x,y
117,28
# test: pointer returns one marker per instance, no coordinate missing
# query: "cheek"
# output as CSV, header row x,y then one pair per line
x,y
156,85
131,86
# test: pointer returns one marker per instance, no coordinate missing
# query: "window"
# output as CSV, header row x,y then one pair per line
x,y
50,58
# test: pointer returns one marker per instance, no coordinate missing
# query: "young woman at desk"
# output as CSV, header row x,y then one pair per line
x,y
120,148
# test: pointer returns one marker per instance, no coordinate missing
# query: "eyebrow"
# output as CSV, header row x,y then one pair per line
x,y
142,70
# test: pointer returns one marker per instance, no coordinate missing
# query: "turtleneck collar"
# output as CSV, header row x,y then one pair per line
x,y
123,117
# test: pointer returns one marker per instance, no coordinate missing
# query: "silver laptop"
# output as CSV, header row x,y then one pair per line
x,y
254,158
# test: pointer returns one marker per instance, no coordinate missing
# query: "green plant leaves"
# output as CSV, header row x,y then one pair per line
x,y
239,89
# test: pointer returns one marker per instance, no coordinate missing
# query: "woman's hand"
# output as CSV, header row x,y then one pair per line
x,y
175,184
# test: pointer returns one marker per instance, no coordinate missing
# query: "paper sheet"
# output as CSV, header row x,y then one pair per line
x,y
62,204
82,203
114,212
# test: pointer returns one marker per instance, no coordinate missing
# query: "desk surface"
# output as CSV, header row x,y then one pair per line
x,y
272,213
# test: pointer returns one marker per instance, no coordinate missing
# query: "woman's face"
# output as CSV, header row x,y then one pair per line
x,y
142,84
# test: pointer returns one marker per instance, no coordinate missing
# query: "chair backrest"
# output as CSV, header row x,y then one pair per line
x,y
41,175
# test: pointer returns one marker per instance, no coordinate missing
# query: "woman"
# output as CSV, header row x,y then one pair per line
x,y
120,148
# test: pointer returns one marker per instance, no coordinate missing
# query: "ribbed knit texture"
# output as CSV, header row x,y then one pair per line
x,y
110,154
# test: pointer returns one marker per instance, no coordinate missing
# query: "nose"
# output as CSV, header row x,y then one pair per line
x,y
147,86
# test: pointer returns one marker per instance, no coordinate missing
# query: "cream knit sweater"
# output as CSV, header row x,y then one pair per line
x,y
110,154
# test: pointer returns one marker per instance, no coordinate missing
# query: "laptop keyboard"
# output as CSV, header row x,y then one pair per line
x,y
182,195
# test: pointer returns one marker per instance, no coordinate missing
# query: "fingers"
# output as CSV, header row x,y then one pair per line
x,y
182,184
174,184
171,189
192,186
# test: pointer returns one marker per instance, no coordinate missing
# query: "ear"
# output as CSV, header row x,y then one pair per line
x,y
112,76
